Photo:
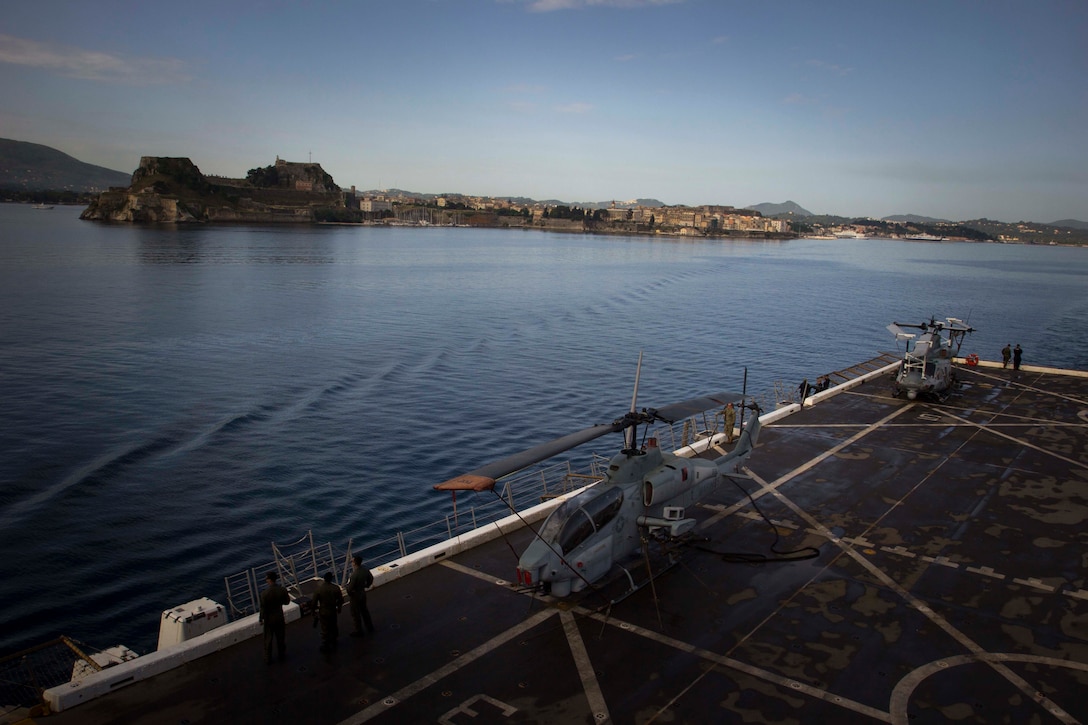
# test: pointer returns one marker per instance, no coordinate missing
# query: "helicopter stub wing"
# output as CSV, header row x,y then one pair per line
x,y
897,331
957,325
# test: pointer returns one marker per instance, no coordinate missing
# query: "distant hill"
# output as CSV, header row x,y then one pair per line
x,y
33,167
916,219
786,207
624,204
1070,224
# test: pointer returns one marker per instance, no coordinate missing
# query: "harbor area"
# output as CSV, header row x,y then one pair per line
x,y
882,560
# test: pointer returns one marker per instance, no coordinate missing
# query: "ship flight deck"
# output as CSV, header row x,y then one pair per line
x,y
948,584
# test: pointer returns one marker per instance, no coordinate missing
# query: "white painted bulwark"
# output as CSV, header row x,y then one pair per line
x,y
70,694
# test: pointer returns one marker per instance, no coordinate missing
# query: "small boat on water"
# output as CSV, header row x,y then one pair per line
x,y
42,207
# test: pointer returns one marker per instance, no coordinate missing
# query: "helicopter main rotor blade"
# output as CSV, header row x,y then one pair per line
x,y
688,408
483,478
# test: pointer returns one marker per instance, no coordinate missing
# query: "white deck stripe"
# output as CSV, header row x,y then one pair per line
x,y
733,664
768,488
433,678
969,644
597,704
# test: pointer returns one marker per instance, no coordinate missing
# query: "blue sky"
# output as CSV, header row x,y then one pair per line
x,y
948,109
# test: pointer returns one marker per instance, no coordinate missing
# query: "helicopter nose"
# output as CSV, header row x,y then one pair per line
x,y
912,394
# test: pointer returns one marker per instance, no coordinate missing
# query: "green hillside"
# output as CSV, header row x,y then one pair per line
x,y
34,167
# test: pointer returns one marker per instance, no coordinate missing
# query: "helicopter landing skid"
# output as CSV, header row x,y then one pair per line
x,y
634,587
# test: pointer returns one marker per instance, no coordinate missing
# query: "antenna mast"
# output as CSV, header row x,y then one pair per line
x,y
630,434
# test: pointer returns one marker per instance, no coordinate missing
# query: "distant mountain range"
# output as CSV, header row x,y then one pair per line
x,y
33,167
790,208
916,219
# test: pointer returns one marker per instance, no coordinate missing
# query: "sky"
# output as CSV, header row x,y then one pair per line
x,y
955,109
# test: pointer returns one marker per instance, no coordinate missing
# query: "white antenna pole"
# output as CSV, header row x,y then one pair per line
x,y
638,372
631,432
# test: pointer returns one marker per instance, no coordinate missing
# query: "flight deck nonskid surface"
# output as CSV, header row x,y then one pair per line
x,y
949,585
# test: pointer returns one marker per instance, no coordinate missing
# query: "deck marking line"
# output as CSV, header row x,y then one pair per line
x,y
1022,386
969,644
788,683
985,571
482,576
942,560
1018,441
432,678
901,695
1033,582
597,704
1079,594
768,488
592,688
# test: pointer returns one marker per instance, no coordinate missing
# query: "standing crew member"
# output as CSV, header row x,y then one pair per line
x,y
730,421
1016,354
328,601
361,579
1006,353
273,600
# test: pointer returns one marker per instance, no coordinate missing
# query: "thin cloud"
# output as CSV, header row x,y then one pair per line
x,y
525,88
626,58
89,64
547,6
841,70
521,106
575,108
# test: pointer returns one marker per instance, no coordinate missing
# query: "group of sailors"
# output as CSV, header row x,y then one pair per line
x,y
326,604
822,383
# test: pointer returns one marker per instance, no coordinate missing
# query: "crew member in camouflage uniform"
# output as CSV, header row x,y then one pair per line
x,y
360,581
730,415
273,600
327,602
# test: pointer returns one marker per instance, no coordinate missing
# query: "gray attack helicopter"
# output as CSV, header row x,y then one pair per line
x,y
927,367
643,494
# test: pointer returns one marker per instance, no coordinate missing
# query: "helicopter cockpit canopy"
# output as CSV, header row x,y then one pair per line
x,y
580,517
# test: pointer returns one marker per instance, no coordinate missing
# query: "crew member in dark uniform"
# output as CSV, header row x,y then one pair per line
x,y
327,602
273,600
358,583
1017,355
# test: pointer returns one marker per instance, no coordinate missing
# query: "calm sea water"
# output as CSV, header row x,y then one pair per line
x,y
175,399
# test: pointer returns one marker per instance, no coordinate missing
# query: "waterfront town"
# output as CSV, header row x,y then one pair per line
x,y
173,190
619,216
